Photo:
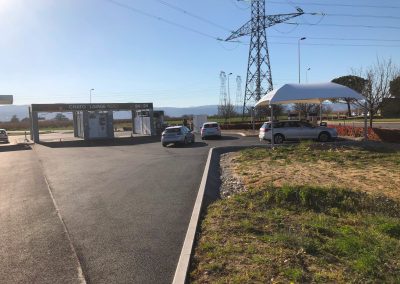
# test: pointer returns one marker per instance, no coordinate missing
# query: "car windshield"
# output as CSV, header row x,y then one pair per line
x,y
2,132
172,130
210,125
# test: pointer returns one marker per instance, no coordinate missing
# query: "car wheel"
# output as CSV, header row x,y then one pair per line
x,y
324,137
278,139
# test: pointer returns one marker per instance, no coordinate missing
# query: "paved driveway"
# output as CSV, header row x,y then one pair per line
x,y
126,207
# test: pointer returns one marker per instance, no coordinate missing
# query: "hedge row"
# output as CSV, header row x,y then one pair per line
x,y
376,134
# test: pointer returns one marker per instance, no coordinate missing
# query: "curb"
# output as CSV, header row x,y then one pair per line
x,y
186,252
205,195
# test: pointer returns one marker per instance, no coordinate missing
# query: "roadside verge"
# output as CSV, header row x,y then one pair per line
x,y
208,192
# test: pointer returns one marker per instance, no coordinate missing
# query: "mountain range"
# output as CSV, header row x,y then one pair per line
x,y
21,111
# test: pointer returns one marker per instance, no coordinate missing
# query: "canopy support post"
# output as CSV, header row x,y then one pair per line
x,y
365,120
320,112
272,125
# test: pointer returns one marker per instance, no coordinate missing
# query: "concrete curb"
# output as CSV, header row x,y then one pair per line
x,y
207,194
186,252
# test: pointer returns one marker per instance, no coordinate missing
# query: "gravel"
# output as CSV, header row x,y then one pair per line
x,y
230,182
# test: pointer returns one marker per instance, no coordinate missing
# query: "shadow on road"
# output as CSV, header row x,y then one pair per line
x,y
13,148
125,141
194,145
222,138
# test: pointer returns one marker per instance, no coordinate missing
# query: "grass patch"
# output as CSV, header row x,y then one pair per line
x,y
302,221
300,234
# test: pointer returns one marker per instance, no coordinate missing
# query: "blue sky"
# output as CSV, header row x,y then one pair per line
x,y
57,50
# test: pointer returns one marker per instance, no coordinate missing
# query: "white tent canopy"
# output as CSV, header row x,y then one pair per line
x,y
308,93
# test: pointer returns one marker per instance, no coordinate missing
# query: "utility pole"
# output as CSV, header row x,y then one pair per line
x,y
298,49
259,66
222,96
239,98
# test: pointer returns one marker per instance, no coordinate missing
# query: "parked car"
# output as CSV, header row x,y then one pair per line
x,y
210,129
4,136
177,135
296,130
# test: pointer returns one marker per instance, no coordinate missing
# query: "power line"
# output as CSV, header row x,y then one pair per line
x,y
193,15
336,44
363,16
346,26
143,13
338,5
341,39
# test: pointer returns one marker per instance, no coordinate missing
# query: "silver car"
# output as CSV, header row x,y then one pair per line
x,y
4,136
296,130
210,129
177,135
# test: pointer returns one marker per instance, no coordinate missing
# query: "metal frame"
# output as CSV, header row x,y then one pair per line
x,y
34,109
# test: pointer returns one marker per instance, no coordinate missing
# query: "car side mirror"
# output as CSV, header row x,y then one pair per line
x,y
323,124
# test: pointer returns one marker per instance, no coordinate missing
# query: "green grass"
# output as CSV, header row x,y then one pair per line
x,y
300,234
311,232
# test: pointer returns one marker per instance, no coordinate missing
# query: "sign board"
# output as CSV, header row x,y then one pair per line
x,y
90,107
6,100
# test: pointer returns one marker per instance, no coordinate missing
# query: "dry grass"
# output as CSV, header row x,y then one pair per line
x,y
310,215
371,169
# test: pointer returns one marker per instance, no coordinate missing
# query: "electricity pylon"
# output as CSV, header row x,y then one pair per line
x,y
259,66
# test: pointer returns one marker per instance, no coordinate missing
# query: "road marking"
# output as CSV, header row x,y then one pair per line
x,y
186,252
81,277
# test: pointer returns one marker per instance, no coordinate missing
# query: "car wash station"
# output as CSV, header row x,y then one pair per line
x,y
95,121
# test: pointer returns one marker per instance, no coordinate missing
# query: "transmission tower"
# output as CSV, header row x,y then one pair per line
x,y
239,98
222,96
259,67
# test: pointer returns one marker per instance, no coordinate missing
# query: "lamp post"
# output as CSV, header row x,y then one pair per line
x,y
228,104
298,49
90,94
308,69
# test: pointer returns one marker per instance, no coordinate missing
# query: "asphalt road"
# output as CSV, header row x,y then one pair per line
x,y
126,205
34,247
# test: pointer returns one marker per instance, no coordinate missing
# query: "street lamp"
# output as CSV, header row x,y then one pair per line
x,y
298,45
308,69
229,100
90,93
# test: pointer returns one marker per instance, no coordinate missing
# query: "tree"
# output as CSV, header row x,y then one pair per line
x,y
377,88
354,82
395,87
226,110
14,119
304,109
60,117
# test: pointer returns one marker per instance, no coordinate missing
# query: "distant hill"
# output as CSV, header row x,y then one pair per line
x,y
6,112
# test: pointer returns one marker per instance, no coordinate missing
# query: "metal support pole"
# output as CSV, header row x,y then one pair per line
x,y
35,127
365,120
320,112
272,125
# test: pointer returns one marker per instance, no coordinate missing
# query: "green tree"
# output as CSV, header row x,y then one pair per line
x,y
60,117
356,83
395,87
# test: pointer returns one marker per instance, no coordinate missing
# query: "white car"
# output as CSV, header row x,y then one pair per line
x,y
177,135
4,136
296,130
210,129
